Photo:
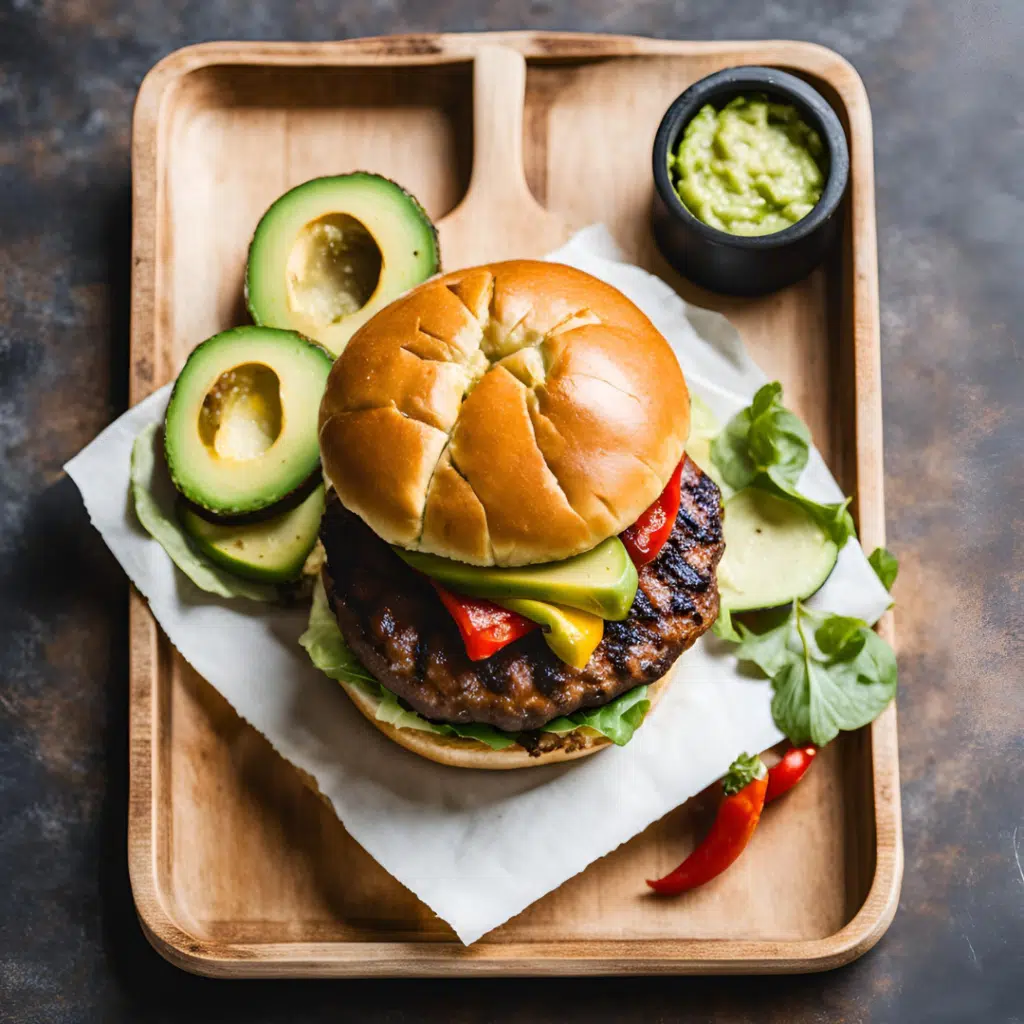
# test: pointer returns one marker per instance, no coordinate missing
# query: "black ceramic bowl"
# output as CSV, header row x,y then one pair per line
x,y
742,264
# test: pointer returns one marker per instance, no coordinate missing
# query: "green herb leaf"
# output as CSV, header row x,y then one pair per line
x,y
886,566
769,650
829,673
731,454
834,519
154,497
723,626
767,446
840,636
743,771
764,435
778,440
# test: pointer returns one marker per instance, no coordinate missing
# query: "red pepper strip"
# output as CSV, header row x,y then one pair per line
x,y
646,537
782,777
738,815
485,627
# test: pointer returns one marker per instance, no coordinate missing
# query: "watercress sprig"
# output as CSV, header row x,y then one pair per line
x,y
829,673
767,446
886,566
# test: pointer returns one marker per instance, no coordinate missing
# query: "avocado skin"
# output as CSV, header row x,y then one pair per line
x,y
286,504
602,581
271,551
414,202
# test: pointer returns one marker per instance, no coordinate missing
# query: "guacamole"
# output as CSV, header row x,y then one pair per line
x,y
752,168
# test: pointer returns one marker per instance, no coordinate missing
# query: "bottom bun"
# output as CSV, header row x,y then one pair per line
x,y
465,753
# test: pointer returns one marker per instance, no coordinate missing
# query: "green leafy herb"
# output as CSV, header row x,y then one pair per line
x,y
762,436
743,771
767,446
723,626
834,519
154,497
829,673
886,566
326,647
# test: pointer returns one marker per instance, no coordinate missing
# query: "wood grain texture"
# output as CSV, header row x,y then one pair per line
x,y
237,869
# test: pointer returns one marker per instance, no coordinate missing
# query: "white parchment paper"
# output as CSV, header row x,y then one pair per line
x,y
477,847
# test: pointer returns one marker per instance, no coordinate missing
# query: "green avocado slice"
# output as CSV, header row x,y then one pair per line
x,y
774,552
241,428
601,581
334,251
271,551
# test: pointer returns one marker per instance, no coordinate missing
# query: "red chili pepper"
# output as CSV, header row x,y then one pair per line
x,y
646,537
782,777
485,626
738,814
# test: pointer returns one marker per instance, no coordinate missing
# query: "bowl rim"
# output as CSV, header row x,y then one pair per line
x,y
722,86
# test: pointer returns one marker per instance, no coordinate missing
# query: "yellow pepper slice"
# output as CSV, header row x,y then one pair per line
x,y
571,634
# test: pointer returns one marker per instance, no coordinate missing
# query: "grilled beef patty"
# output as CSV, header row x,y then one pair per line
x,y
393,620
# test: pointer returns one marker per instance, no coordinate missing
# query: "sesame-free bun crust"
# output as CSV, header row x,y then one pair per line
x,y
462,753
509,414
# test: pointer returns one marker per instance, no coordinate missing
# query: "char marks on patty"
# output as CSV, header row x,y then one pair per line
x,y
392,618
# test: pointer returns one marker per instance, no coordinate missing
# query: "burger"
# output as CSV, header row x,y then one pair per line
x,y
516,545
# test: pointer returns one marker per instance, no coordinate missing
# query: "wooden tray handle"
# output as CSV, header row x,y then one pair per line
x,y
498,217
499,96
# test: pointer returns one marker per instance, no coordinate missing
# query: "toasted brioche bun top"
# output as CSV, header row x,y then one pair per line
x,y
508,414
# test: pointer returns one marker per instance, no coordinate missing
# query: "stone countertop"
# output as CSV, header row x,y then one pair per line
x,y
945,81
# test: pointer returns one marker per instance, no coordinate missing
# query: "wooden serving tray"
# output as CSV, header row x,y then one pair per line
x,y
238,869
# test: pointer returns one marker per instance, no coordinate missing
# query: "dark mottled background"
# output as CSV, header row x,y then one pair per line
x,y
947,90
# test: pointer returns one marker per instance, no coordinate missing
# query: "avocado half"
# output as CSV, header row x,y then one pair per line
x,y
332,252
241,428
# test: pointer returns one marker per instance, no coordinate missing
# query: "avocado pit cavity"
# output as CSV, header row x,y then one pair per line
x,y
241,417
333,269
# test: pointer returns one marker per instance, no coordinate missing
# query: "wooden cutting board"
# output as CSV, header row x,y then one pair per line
x,y
238,869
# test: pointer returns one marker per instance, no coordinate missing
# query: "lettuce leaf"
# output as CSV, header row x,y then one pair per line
x,y
154,496
391,711
617,720
326,647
